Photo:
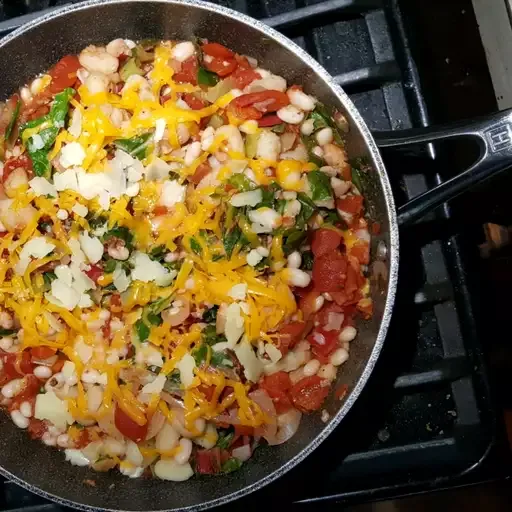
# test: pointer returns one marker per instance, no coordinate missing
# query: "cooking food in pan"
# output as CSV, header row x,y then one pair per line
x,y
183,257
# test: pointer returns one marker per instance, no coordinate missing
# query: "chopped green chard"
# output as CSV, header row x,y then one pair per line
x,y
210,336
320,186
142,330
231,239
210,315
221,360
122,233
241,182
136,146
200,354
307,260
279,128
205,77
308,208
195,246
293,239
231,465
323,116
310,142
7,332
50,125
225,439
110,266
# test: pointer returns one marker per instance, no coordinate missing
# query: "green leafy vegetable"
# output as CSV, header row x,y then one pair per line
x,y
200,354
195,246
130,67
310,142
136,146
221,360
251,144
324,116
231,465
279,128
320,186
292,239
142,330
225,439
158,252
268,196
231,239
7,332
110,266
210,336
241,182
307,260
307,210
15,115
96,221
319,120
210,315
205,77
48,277
122,233
173,382
155,319
50,124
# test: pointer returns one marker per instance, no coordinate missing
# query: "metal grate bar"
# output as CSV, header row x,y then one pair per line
x,y
305,15
372,76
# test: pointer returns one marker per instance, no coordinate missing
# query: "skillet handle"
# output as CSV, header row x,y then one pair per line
x,y
494,136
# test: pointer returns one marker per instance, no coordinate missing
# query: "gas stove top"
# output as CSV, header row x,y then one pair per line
x,y
425,420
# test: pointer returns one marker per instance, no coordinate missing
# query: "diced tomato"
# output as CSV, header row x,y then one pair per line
x,y
323,343
340,298
255,104
350,204
128,427
23,161
324,241
31,386
217,50
289,335
202,170
365,307
222,67
106,331
277,386
37,428
64,73
160,210
207,391
208,462
269,120
322,317
83,439
361,251
242,61
43,352
309,393
57,366
242,77
94,273
330,272
307,303
188,72
243,430
194,102
376,228
341,392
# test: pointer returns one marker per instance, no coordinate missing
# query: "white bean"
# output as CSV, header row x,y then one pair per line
x,y
119,253
96,83
63,441
347,334
294,260
338,357
25,94
297,277
94,398
324,136
19,420
62,214
94,58
307,127
300,99
42,372
311,368
182,51
192,152
90,376
233,137
6,343
114,447
340,187
166,439
133,454
118,47
319,302
290,115
12,388
168,469
269,145
49,439
327,371
185,451
26,409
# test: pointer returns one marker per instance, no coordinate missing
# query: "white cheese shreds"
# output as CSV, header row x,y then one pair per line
x,y
80,210
63,295
42,187
76,457
252,365
83,350
159,130
238,292
172,193
273,352
75,126
234,327
157,170
91,246
37,141
156,386
186,367
146,270
264,220
253,257
120,279
37,247
251,198
50,407
72,155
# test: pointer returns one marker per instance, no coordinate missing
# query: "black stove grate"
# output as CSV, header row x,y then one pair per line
x,y
425,420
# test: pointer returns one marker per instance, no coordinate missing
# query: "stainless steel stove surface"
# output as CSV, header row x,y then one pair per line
x,y
426,420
